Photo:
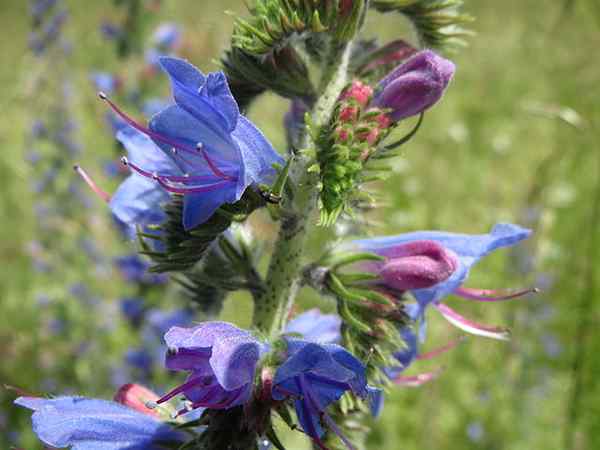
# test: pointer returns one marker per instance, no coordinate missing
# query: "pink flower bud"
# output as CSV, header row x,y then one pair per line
x,y
415,85
136,396
358,91
417,265
348,114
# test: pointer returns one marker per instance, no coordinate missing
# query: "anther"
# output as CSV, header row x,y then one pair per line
x,y
124,160
151,405
102,95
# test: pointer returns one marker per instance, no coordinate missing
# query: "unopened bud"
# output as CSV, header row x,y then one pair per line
x,y
415,85
417,265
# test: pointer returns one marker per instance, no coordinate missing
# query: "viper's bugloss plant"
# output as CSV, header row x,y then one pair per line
x,y
200,168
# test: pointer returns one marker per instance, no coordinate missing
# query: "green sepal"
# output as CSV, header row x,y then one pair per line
x,y
438,23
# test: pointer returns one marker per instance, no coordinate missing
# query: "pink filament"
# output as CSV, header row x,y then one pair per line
x,y
92,184
441,350
488,295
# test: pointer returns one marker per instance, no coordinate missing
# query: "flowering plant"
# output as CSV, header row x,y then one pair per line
x,y
199,168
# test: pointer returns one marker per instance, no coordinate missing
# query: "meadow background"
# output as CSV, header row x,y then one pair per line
x,y
515,139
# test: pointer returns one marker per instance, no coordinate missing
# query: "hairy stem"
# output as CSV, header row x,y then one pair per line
x,y
272,307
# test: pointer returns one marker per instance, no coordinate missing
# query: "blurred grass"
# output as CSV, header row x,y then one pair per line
x,y
481,157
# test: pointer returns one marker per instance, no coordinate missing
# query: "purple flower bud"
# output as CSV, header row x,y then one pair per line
x,y
414,85
417,265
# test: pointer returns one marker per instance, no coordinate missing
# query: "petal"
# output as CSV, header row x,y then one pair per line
x,y
376,400
258,155
90,424
234,361
314,358
315,326
138,201
189,92
217,91
186,131
142,151
198,208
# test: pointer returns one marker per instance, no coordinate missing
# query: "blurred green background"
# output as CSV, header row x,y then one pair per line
x,y
515,139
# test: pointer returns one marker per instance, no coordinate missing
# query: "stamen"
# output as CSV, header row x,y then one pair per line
x,y
212,166
159,137
441,350
419,379
469,326
97,190
178,390
489,295
164,179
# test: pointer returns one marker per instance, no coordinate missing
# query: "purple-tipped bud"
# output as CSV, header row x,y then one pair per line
x,y
415,85
417,265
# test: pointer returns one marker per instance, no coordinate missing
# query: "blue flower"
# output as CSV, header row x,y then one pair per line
x,y
91,424
217,151
104,81
135,270
316,375
221,360
461,252
166,36
314,326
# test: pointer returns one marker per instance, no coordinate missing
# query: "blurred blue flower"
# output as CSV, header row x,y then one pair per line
x,y
217,152
141,359
133,309
134,269
316,375
221,359
166,36
314,326
104,81
91,424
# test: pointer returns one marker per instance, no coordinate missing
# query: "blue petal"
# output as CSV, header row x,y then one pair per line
x,y
258,155
198,208
217,91
376,400
90,424
182,128
315,326
137,201
189,93
405,356
143,152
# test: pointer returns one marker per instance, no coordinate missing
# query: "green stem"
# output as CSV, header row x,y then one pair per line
x,y
272,307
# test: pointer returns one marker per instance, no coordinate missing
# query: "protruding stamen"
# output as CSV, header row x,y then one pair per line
x,y
469,326
210,163
178,390
164,180
439,351
489,295
159,137
417,380
97,190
